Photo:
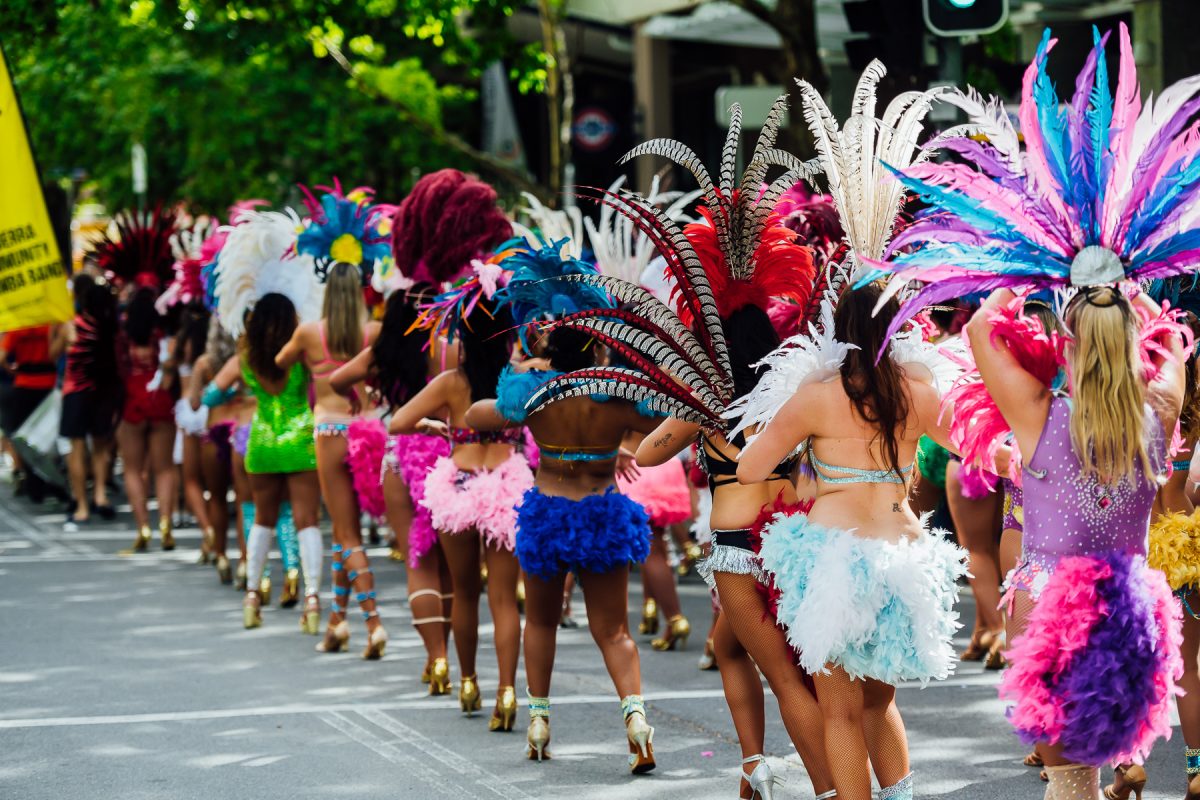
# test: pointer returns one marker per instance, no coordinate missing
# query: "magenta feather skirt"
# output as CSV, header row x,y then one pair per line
x,y
662,491
1096,669
366,444
485,500
414,455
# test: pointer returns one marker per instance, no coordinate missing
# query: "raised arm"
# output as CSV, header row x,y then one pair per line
x,y
293,351
778,439
430,402
228,374
1022,399
667,440
353,372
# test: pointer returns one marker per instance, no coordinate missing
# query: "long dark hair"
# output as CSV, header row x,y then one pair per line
x,y
877,391
96,358
192,339
486,336
749,335
400,364
142,319
270,326
569,349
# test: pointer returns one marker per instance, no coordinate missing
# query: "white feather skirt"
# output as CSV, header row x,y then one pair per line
x,y
876,609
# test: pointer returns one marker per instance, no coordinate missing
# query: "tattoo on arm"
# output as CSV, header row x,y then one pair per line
x,y
662,440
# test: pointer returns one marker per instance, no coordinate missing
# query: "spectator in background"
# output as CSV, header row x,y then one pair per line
x,y
29,355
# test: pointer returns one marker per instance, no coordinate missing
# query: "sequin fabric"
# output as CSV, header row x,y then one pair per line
x,y
281,433
1070,513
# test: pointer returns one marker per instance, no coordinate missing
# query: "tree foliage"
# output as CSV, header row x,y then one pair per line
x,y
237,98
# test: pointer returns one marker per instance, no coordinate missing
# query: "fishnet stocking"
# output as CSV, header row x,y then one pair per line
x,y
1189,703
1073,782
744,613
863,729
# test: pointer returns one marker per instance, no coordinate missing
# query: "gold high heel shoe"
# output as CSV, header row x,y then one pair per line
x,y
264,590
649,624
252,611
993,658
376,644
1127,780
468,696
141,541
639,733
692,554
310,620
239,580
439,677
290,595
520,595
164,531
224,571
678,630
337,638
537,739
207,545
506,710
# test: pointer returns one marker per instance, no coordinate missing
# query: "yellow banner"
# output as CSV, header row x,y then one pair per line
x,y
33,286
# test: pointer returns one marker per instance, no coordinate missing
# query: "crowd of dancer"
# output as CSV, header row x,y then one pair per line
x,y
531,409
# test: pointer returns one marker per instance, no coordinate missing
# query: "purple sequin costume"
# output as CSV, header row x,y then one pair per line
x,y
1096,668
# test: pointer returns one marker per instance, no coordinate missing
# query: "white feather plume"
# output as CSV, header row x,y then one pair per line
x,y
621,250
258,259
553,224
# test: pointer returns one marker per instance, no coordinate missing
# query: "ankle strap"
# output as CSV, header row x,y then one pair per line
x,y
900,791
538,706
759,757
827,795
424,593
633,704
1192,755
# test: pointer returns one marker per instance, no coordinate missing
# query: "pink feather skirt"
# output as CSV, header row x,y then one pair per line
x,y
366,444
412,456
485,500
662,491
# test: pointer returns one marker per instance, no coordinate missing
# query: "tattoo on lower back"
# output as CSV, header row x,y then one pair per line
x,y
662,440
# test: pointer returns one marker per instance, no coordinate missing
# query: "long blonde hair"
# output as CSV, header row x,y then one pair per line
x,y
343,311
1108,417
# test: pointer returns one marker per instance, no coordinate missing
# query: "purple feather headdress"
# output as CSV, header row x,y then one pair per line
x,y
1105,189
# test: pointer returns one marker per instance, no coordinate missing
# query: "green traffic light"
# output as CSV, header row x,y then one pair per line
x,y
961,3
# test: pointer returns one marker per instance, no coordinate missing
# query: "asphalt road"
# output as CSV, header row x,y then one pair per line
x,y
131,677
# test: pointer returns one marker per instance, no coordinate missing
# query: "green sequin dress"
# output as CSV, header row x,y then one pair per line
x,y
281,433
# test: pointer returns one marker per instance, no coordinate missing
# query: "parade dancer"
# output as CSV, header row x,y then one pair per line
x,y
1101,193
264,290
342,239
139,256
446,224
398,366
573,519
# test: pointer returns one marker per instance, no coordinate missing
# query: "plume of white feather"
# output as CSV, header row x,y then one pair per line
x,y
621,250
258,259
554,225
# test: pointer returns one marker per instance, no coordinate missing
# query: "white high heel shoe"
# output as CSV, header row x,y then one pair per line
x,y
762,780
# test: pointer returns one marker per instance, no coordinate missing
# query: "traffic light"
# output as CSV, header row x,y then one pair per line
x,y
963,17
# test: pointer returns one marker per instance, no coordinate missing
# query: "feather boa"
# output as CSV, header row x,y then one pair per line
x,y
366,443
484,500
877,609
662,491
597,534
1103,627
1175,549
977,428
416,454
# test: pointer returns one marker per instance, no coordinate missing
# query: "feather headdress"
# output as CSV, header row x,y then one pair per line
x,y
443,315
188,284
563,225
814,219
1103,190
259,258
136,248
448,219
740,255
621,250
535,291
345,228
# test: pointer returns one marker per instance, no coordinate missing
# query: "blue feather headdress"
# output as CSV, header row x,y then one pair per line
x,y
346,228
1105,189
542,286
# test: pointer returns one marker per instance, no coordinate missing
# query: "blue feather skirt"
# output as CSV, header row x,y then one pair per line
x,y
598,534
876,609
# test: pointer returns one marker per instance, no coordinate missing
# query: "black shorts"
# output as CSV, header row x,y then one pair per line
x,y
85,414
16,404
